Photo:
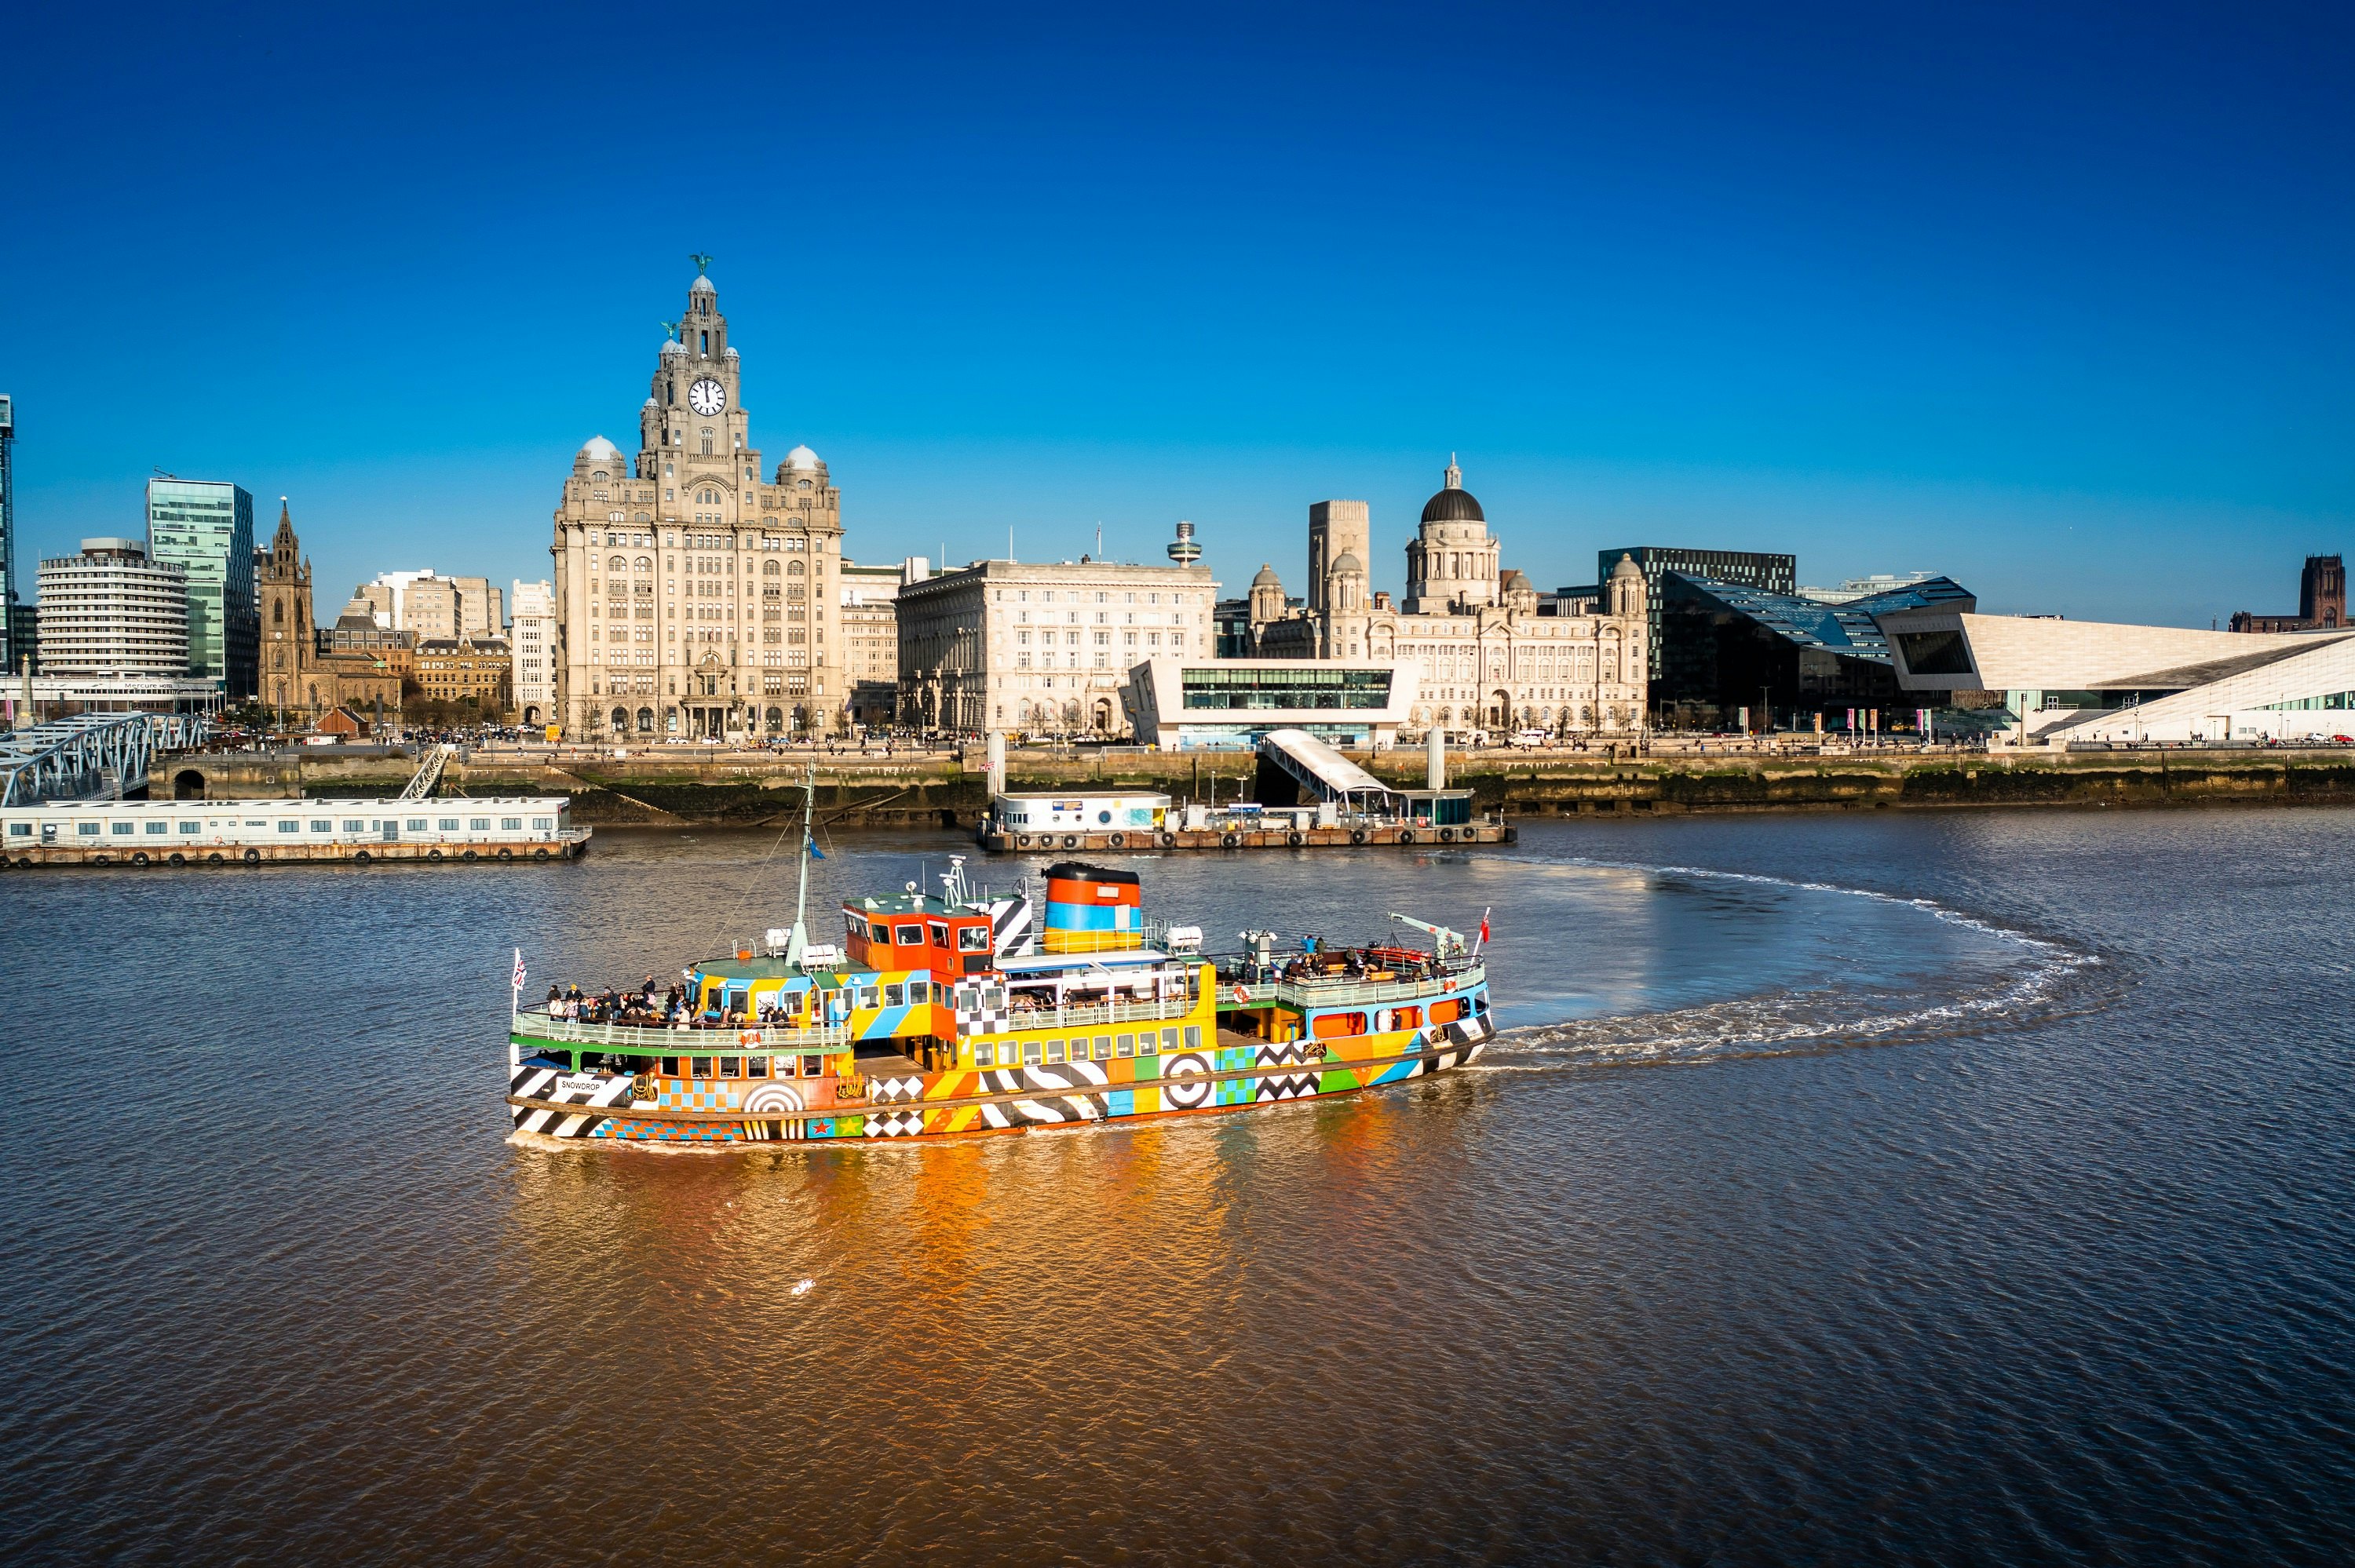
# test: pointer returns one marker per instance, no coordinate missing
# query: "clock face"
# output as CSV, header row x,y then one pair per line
x,y
707,396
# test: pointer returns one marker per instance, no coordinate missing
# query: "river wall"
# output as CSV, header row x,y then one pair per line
x,y
759,789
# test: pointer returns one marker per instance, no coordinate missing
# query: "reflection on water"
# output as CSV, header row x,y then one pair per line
x,y
1988,1208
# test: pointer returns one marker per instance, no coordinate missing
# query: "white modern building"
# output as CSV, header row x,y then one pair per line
x,y
110,610
1183,705
2094,681
532,646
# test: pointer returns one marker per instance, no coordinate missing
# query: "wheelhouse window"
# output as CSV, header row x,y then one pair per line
x,y
972,938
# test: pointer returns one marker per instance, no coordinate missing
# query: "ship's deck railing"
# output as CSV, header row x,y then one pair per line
x,y
534,1024
1089,1016
1343,991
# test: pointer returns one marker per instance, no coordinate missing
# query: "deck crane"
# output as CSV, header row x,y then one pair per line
x,y
1451,943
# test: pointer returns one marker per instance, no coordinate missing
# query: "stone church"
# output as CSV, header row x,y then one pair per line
x,y
300,676
693,596
1490,657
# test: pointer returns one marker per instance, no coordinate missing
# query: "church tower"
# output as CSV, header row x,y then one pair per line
x,y
281,583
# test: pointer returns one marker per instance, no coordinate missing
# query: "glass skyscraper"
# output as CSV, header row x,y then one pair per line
x,y
15,639
207,525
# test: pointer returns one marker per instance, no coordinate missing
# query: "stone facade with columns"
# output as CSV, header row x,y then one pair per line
x,y
693,596
1486,657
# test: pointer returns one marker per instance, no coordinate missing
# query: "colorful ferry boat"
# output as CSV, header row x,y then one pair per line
x,y
967,1013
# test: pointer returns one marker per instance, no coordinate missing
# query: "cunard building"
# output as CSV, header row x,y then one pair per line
x,y
692,596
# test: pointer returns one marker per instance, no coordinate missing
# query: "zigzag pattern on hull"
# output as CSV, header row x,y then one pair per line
x,y
532,1081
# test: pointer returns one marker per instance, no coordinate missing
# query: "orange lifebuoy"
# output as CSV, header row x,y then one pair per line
x,y
1243,996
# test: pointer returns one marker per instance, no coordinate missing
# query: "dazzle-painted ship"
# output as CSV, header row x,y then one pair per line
x,y
968,1013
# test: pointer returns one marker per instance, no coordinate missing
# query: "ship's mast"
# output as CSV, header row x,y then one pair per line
x,y
796,943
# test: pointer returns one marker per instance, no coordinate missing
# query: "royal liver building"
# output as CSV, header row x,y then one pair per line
x,y
691,596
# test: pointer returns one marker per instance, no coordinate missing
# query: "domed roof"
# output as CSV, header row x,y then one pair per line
x,y
1626,567
800,457
672,345
1519,582
1454,504
702,285
732,353
1266,577
599,449
1348,562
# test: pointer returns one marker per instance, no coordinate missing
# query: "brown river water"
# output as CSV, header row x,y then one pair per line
x,y
1921,1187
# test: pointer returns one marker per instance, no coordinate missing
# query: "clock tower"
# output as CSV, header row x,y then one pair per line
x,y
694,597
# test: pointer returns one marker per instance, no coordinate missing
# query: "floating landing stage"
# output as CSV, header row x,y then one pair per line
x,y
454,832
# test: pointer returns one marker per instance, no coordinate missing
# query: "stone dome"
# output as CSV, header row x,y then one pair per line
x,y
1266,577
1519,582
1626,567
732,353
599,449
672,345
1348,562
702,285
802,458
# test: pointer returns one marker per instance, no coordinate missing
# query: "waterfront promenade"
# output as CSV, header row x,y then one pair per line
x,y
946,787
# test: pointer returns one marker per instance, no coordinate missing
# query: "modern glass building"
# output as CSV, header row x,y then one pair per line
x,y
15,640
1731,646
207,525
1750,568
1232,703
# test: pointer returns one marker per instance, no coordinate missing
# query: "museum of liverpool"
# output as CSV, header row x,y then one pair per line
x,y
2078,681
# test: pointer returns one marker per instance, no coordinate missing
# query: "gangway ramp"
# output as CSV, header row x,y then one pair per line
x,y
1322,772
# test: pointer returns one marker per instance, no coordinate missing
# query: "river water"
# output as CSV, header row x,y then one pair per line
x,y
1926,1187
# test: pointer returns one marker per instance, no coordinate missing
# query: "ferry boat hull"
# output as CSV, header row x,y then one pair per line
x,y
951,1017
713,1099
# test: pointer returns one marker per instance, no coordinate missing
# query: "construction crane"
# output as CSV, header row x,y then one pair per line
x,y
428,773
1451,943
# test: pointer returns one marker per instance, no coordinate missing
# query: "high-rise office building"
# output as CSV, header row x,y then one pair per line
x,y
206,526
533,649
13,641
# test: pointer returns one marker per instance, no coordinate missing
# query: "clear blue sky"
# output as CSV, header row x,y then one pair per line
x,y
2054,298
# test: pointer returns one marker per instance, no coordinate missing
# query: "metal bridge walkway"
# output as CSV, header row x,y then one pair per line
x,y
1319,769
89,756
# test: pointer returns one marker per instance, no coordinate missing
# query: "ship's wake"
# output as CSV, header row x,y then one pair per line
x,y
2019,980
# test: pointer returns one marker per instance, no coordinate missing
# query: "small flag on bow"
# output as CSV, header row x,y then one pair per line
x,y
517,982
1483,926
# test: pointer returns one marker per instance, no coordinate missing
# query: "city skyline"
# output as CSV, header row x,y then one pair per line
x,y
2009,298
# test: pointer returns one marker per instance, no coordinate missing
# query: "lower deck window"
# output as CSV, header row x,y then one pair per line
x,y
701,1065
123,827
1031,1052
731,1066
1055,1050
159,827
984,1056
192,826
1128,1044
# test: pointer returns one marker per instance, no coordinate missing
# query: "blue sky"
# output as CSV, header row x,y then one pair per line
x,y
2052,298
